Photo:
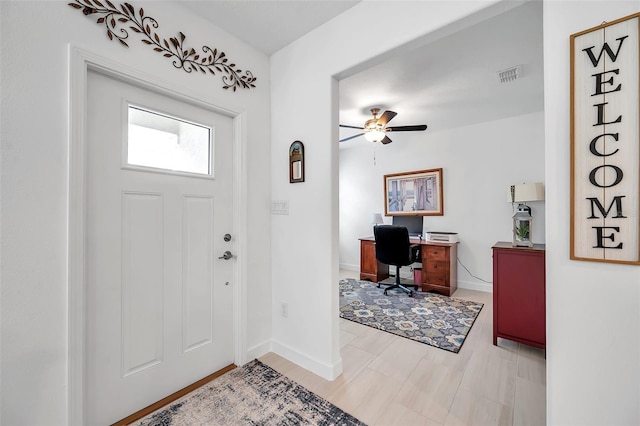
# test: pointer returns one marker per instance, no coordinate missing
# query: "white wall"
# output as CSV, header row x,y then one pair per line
x,y
593,309
593,334
479,163
305,247
34,191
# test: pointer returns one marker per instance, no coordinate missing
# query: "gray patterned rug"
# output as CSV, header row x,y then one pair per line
x,y
254,394
430,318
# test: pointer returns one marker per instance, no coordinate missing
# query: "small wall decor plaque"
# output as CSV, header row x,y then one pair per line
x,y
118,20
605,143
296,162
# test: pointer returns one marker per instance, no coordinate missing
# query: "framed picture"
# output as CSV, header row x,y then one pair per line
x,y
414,193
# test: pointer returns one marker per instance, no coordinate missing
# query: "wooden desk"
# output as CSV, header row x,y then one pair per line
x,y
439,269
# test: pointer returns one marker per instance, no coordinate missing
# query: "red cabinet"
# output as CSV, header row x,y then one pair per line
x,y
519,294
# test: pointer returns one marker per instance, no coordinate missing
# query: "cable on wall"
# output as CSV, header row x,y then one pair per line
x,y
469,272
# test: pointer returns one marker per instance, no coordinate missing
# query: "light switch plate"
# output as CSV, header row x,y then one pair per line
x,y
280,207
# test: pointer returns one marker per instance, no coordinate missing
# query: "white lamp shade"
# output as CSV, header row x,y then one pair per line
x,y
525,192
376,219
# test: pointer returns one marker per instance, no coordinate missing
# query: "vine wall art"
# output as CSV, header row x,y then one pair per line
x,y
119,20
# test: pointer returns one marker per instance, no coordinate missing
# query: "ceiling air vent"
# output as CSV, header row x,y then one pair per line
x,y
510,74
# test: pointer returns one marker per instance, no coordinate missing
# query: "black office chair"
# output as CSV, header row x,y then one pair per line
x,y
393,248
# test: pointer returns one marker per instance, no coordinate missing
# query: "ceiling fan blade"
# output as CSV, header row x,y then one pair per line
x,y
351,137
351,127
386,140
407,128
386,117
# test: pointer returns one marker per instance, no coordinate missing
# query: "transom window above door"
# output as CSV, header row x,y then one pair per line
x,y
167,144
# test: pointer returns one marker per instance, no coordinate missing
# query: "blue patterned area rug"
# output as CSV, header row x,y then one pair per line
x,y
430,318
254,394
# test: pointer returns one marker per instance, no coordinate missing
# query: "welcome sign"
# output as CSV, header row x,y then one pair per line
x,y
605,144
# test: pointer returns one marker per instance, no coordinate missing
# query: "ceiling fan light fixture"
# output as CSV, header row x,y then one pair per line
x,y
375,129
374,135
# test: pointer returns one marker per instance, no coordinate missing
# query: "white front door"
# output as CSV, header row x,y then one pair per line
x,y
159,203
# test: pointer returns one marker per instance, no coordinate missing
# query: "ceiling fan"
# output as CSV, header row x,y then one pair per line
x,y
375,129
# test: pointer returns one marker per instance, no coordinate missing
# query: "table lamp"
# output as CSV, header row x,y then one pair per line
x,y
376,219
522,220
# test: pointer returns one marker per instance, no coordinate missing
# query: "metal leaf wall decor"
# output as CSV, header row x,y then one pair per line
x,y
119,20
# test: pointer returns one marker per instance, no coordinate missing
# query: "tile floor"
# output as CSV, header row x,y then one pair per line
x,y
390,380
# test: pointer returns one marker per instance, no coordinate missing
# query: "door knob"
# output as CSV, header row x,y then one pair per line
x,y
226,256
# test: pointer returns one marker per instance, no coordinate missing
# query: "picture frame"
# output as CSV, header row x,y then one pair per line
x,y
296,162
417,193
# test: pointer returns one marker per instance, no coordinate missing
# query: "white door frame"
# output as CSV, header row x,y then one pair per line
x,y
80,61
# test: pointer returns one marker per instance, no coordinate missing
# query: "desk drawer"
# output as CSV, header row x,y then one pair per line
x,y
431,253
439,272
436,272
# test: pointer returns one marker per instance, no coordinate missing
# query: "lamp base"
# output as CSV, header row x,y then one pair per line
x,y
522,244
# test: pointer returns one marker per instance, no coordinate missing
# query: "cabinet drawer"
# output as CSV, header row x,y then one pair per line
x,y
434,253
436,272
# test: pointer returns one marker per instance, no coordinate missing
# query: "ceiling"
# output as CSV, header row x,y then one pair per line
x,y
445,83
453,81
268,25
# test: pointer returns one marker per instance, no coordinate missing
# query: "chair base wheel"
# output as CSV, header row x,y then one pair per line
x,y
401,287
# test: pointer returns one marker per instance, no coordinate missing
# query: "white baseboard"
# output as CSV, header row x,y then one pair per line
x,y
348,267
258,350
486,287
327,371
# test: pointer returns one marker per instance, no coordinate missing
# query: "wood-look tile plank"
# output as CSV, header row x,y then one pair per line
x,y
492,377
530,404
368,394
398,415
470,408
346,337
532,364
372,340
400,359
430,390
354,360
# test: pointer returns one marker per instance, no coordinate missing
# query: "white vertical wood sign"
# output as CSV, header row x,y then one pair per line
x,y
605,152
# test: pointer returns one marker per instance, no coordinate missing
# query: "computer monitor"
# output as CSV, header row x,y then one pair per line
x,y
412,223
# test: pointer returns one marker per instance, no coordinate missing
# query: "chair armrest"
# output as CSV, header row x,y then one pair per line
x,y
416,252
